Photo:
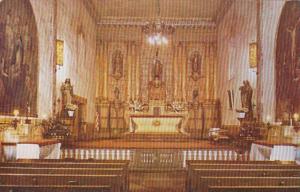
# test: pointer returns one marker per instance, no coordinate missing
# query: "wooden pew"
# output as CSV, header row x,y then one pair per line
x,y
69,171
54,188
188,162
114,181
199,168
196,174
204,182
90,167
254,188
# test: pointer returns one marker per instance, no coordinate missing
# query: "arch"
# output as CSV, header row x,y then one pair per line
x,y
287,66
19,58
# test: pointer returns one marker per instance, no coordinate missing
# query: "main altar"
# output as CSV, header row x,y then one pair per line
x,y
157,92
158,118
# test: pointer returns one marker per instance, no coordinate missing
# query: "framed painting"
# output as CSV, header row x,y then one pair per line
x,y
253,55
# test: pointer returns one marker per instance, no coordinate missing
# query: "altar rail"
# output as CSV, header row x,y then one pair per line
x,y
154,158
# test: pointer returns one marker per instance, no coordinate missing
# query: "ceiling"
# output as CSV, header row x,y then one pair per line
x,y
209,10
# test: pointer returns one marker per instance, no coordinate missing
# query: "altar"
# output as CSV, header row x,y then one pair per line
x,y
156,123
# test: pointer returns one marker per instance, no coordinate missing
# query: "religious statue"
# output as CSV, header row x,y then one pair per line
x,y
157,90
246,99
117,94
67,94
157,69
195,62
117,64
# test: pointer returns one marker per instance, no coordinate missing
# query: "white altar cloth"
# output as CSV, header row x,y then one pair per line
x,y
261,151
41,149
155,124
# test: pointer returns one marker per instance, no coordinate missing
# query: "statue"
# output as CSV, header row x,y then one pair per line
x,y
246,99
157,90
67,94
117,94
117,64
157,69
195,61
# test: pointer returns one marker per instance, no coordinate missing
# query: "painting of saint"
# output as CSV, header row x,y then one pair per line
x,y
18,58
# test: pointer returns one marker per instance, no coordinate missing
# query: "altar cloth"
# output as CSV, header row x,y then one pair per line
x,y
156,124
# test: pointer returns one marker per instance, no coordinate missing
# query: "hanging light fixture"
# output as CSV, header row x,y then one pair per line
x,y
158,31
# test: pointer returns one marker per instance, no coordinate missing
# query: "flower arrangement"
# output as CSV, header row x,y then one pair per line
x,y
71,107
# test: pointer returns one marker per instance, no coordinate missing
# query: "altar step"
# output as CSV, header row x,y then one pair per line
x,y
156,137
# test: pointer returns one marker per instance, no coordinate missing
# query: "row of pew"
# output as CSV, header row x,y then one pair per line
x,y
242,176
64,176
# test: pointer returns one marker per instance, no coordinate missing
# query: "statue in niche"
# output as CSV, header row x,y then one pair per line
x,y
117,64
157,70
157,90
246,99
195,63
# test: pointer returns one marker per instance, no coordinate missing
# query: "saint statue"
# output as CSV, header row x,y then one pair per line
x,y
117,65
246,98
195,61
157,69
67,93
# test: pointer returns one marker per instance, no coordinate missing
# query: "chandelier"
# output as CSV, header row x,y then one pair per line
x,y
157,31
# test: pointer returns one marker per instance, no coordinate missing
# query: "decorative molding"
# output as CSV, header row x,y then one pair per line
x,y
175,22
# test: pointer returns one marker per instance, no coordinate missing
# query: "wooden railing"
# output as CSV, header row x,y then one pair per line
x,y
156,158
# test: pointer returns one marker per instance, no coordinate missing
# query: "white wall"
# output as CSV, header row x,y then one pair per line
x,y
235,32
78,30
43,11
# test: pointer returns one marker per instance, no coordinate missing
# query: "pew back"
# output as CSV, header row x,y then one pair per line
x,y
54,188
204,182
114,181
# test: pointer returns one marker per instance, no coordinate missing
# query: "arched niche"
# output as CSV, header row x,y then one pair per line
x,y
18,58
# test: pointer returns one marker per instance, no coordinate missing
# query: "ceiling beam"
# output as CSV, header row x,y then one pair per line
x,y
176,22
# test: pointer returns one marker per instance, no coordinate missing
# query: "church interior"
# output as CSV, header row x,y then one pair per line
x,y
150,95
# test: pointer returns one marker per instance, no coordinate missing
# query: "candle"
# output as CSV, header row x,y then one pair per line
x,y
16,112
296,117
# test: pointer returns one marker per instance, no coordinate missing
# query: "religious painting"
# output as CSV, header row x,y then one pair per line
x,y
253,55
59,52
195,61
287,62
117,64
18,58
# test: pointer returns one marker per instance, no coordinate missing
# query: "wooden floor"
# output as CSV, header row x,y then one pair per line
x,y
126,144
159,181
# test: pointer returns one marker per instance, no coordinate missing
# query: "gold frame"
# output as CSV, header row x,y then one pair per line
x,y
59,52
253,55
